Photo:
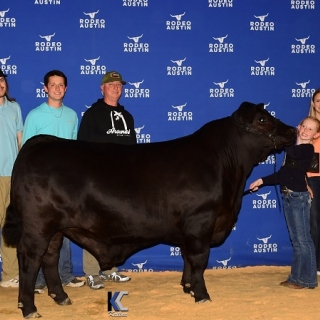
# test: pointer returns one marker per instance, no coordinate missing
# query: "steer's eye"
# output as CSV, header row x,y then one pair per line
x,y
262,120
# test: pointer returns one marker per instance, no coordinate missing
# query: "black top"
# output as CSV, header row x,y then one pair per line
x,y
292,174
105,123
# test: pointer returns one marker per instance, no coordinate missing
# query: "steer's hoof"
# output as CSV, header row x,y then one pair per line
x,y
33,315
187,288
204,300
65,302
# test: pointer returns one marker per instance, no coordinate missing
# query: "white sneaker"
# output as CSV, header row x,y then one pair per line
x,y
12,283
94,282
114,276
318,273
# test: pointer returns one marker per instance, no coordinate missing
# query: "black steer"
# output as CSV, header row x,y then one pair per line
x,y
114,200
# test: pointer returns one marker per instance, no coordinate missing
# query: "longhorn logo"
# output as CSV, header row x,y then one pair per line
x,y
135,39
303,40
178,16
180,108
3,13
221,84
262,62
221,39
137,130
261,18
139,265
264,195
136,84
224,262
48,38
179,62
92,61
266,105
303,84
265,240
4,60
91,14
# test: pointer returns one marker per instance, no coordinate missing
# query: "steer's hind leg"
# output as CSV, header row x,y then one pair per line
x,y
29,264
50,270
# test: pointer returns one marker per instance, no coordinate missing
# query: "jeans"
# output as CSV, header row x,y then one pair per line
x,y
314,184
297,213
65,265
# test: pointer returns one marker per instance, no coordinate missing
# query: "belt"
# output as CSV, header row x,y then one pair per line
x,y
285,190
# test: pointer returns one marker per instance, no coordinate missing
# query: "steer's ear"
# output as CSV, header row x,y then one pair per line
x,y
246,112
260,106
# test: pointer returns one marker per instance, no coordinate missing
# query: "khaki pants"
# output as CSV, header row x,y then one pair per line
x,y
91,265
10,267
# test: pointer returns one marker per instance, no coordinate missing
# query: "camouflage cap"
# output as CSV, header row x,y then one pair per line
x,y
112,76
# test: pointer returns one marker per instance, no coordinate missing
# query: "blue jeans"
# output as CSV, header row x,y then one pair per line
x,y
65,265
297,213
314,183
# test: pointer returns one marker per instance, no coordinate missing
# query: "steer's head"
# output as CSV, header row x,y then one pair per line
x,y
269,131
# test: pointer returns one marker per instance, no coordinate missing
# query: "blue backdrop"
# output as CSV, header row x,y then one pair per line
x,y
186,62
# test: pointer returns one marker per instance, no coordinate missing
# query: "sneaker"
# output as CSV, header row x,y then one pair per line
x,y
39,288
318,272
94,282
114,276
76,283
12,283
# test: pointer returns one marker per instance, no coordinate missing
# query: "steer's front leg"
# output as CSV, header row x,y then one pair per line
x,y
186,275
197,254
50,270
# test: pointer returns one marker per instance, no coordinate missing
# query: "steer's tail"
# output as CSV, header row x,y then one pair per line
x,y
11,230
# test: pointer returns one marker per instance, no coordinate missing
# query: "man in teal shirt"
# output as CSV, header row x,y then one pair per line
x,y
54,118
